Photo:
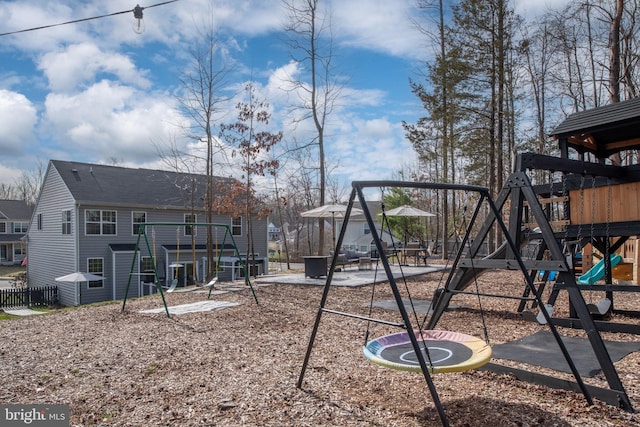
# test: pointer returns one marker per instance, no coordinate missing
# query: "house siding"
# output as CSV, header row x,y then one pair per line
x,y
117,265
12,245
55,254
51,254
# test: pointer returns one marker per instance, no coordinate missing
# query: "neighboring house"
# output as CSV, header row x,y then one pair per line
x,y
14,223
358,234
87,219
274,232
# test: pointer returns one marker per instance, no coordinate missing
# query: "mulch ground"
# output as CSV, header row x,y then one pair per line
x,y
240,365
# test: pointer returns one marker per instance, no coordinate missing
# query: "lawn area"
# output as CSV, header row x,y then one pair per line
x,y
11,270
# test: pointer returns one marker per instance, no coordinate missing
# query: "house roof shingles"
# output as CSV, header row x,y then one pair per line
x,y
15,209
115,185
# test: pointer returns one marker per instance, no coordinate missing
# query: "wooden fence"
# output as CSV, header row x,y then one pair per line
x,y
29,297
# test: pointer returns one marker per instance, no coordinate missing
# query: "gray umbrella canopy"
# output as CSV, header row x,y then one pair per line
x,y
406,210
329,211
79,276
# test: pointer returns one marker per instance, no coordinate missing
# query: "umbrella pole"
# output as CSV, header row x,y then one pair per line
x,y
333,220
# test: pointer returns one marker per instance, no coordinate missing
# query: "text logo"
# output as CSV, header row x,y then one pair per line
x,y
34,415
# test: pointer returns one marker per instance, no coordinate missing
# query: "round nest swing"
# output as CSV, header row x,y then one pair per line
x,y
446,351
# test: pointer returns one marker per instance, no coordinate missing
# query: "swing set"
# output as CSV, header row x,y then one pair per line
x,y
545,249
420,347
176,265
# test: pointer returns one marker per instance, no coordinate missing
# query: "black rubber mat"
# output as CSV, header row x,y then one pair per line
x,y
541,349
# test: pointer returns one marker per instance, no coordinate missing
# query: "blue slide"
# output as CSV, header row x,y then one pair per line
x,y
596,272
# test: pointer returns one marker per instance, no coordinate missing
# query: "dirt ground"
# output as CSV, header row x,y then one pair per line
x,y
240,365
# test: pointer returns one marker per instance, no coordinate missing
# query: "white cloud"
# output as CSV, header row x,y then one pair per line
x,y
78,64
109,120
9,175
531,8
371,149
18,118
102,104
379,25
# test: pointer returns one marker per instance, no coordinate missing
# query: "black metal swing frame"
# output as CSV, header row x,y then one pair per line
x,y
515,262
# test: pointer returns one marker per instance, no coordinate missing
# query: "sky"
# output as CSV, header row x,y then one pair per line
x,y
98,92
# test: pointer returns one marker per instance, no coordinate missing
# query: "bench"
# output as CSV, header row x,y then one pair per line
x,y
349,257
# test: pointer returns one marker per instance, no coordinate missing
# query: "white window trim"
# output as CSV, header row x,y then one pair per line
x,y
233,226
98,274
101,222
365,228
22,223
193,227
70,222
133,223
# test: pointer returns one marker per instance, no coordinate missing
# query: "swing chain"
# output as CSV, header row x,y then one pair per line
x,y
579,233
607,251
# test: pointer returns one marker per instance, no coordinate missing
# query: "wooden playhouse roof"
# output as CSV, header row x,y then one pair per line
x,y
603,130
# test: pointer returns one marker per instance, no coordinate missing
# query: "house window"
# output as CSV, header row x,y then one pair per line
x,y
190,229
66,222
3,227
136,219
146,263
236,226
146,266
95,266
366,230
99,222
20,227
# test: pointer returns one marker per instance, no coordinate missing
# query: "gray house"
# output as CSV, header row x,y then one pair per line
x,y
14,223
358,235
88,216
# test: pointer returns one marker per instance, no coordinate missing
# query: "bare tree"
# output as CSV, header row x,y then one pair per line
x,y
27,188
201,100
538,52
251,141
176,158
311,43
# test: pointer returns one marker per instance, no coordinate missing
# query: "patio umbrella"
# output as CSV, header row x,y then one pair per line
x,y
79,276
408,211
330,211
76,277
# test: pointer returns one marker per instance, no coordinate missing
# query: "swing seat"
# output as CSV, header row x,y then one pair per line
x,y
539,318
601,307
211,283
174,285
196,288
446,351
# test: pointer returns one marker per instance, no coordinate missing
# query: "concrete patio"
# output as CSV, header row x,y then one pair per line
x,y
348,277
